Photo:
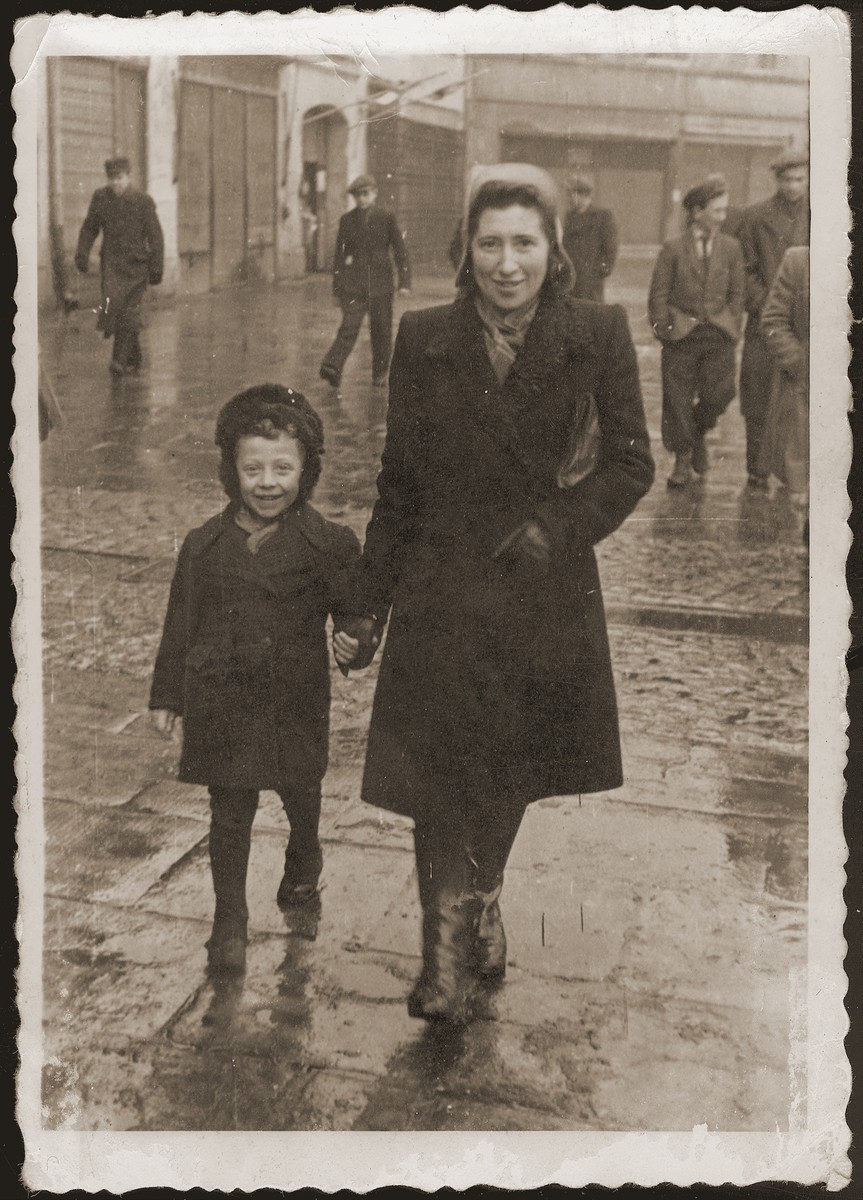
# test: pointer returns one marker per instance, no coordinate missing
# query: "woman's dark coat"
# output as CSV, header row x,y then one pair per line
x,y
131,255
496,675
244,656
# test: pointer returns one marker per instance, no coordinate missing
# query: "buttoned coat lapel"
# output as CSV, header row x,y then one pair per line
x,y
282,561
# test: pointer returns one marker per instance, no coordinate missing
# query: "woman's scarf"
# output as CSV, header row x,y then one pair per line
x,y
503,338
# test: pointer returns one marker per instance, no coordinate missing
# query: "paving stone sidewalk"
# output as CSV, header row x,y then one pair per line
x,y
657,934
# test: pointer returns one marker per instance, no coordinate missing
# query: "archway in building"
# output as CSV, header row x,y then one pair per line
x,y
324,182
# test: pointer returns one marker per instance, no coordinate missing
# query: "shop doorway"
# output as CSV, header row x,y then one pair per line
x,y
325,182
226,186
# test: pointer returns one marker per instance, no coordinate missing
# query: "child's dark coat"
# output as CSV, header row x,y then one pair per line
x,y
244,657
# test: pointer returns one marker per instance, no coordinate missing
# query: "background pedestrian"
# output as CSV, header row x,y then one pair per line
x,y
455,250
785,325
589,239
767,230
496,686
734,215
695,306
243,657
131,257
368,243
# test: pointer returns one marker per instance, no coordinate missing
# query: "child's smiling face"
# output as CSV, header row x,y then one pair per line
x,y
269,471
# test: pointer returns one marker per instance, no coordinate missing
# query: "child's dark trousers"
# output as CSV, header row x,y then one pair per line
x,y
232,814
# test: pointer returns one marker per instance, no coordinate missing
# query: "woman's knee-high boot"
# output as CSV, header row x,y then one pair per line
x,y
450,908
490,945
491,841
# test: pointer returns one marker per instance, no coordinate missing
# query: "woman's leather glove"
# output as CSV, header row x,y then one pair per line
x,y
528,540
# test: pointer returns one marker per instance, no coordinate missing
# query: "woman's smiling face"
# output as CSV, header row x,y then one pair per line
x,y
269,471
510,251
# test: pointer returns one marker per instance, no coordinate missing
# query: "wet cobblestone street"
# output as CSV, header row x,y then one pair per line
x,y
657,933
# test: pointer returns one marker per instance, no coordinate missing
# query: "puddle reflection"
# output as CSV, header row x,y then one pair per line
x,y
765,519
678,514
303,919
224,1001
772,861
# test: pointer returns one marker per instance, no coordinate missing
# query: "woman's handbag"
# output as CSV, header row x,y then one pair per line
x,y
582,455
582,452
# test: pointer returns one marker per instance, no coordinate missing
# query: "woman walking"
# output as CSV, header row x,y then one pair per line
x,y
515,441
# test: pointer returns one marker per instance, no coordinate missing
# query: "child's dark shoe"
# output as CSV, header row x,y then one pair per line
x,y
226,949
303,866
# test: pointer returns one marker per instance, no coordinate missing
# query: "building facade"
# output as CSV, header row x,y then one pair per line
x,y
248,158
419,166
644,127
234,151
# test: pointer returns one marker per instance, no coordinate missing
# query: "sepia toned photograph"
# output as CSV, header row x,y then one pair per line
x,y
429,564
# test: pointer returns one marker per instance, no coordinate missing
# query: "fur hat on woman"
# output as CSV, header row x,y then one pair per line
x,y
533,180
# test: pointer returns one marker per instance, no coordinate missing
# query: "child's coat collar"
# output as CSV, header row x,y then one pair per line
x,y
314,528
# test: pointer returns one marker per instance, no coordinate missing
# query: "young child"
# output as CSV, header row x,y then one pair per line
x,y
243,658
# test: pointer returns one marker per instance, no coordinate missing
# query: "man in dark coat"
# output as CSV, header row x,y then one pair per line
x,y
455,253
734,216
767,231
785,325
696,310
590,240
363,281
131,255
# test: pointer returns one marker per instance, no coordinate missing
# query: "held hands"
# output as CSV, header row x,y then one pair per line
x,y
165,721
354,645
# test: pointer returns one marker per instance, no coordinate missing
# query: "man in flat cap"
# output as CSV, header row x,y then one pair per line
x,y
767,230
368,240
696,309
734,216
131,256
590,240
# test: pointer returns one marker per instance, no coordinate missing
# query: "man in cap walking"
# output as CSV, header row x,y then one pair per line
x,y
367,243
590,240
131,255
767,230
696,309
